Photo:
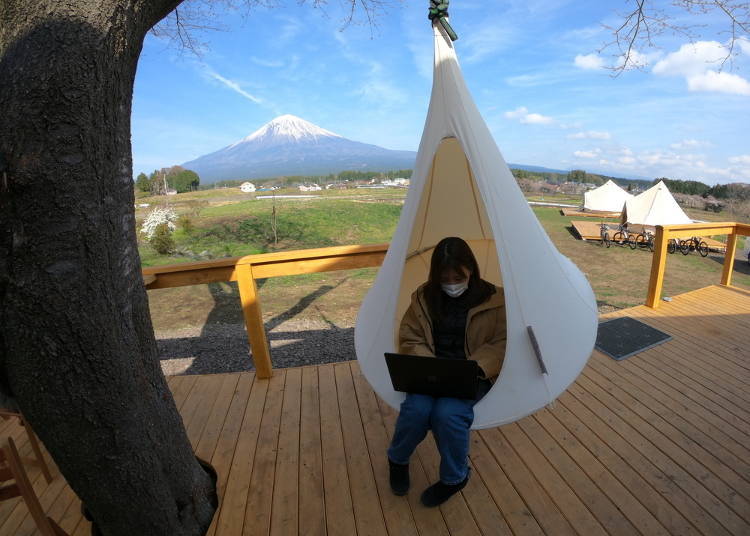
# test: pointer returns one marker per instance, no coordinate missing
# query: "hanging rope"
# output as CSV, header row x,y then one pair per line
x,y
439,11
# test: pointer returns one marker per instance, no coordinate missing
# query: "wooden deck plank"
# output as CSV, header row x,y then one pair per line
x,y
260,494
735,425
46,493
680,351
577,514
428,520
14,511
689,324
398,516
206,443
338,503
48,497
697,430
519,519
231,516
601,507
634,448
180,387
204,396
456,513
228,438
718,393
311,499
368,516
607,447
714,468
285,509
539,503
710,492
627,503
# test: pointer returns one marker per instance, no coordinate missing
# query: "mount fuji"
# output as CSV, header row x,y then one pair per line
x,y
289,145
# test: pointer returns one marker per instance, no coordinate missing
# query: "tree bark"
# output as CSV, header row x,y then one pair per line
x,y
77,350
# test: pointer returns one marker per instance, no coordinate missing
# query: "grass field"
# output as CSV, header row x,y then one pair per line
x,y
228,224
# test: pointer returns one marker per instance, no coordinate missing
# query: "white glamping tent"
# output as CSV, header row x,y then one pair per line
x,y
655,206
609,197
461,186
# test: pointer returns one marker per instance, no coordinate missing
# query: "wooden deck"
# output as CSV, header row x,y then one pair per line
x,y
656,444
575,213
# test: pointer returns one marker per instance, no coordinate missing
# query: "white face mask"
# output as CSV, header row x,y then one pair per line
x,y
454,291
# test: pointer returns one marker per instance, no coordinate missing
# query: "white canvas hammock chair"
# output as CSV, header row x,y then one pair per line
x,y
461,186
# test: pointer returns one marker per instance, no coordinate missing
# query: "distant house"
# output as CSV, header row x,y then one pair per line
x,y
395,182
309,187
247,187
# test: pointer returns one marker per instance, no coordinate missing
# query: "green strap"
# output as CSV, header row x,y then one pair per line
x,y
439,10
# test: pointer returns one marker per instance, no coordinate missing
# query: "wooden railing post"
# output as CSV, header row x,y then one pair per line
x,y
253,314
658,265
726,275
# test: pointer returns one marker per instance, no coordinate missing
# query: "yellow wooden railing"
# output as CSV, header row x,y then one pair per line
x,y
666,232
245,270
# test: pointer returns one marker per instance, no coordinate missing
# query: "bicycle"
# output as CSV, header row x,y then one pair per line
x,y
604,235
622,237
645,240
694,243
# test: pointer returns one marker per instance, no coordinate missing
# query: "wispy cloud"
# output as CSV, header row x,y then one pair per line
x,y
590,135
274,64
589,62
231,84
486,41
524,116
700,64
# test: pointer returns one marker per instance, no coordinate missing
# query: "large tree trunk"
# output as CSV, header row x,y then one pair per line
x,y
77,349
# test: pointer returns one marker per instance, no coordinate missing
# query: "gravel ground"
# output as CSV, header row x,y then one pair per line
x,y
216,348
219,347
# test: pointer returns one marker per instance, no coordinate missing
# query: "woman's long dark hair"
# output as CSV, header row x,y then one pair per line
x,y
455,254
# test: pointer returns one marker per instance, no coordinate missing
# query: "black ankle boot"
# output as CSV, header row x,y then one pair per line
x,y
438,493
399,478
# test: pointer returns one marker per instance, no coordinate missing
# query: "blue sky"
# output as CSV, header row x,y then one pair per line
x,y
531,66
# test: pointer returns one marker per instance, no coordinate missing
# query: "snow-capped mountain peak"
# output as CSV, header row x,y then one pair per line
x,y
289,128
289,145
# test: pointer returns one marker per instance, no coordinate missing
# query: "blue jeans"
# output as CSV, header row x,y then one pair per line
x,y
450,420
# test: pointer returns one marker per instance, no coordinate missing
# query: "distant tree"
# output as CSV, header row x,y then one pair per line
x,y
183,180
577,175
142,183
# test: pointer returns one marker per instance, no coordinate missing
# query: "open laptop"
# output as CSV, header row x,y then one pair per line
x,y
434,376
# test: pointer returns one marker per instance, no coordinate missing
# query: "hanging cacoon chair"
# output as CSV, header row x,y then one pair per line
x,y
461,186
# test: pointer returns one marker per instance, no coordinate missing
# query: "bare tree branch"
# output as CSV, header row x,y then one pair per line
x,y
647,21
185,26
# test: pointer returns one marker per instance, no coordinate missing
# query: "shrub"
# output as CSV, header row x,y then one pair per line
x,y
158,216
185,223
162,240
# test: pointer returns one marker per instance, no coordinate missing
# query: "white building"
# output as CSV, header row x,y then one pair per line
x,y
309,187
247,187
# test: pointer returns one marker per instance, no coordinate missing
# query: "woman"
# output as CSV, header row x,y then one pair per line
x,y
455,314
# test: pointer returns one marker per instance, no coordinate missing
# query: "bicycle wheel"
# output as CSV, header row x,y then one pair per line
x,y
703,249
671,246
650,244
640,241
684,247
618,238
632,241
606,239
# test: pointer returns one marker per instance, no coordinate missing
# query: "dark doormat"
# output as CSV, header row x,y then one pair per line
x,y
622,337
